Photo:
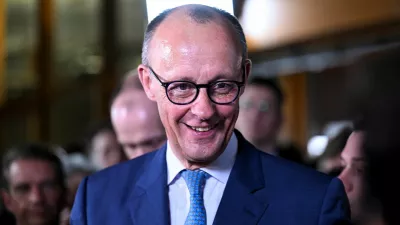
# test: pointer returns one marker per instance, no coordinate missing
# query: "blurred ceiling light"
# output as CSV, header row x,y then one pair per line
x,y
155,7
258,17
316,145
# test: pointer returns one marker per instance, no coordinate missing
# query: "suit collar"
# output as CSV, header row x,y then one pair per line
x,y
149,199
220,169
241,202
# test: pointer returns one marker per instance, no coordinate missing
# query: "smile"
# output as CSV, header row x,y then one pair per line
x,y
202,129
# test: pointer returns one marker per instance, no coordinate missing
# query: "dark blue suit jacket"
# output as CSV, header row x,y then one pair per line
x,y
262,189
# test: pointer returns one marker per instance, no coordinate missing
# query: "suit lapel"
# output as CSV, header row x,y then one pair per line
x,y
243,199
149,200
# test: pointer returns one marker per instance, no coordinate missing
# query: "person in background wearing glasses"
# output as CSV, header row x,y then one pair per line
x,y
261,117
195,67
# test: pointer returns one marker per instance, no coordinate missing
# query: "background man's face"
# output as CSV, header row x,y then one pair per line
x,y
106,150
35,195
259,118
137,123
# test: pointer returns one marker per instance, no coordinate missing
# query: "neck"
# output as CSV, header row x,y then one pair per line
x,y
268,147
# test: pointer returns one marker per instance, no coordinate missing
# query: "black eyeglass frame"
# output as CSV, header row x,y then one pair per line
x,y
198,86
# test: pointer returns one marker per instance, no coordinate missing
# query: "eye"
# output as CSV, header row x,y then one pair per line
x,y
181,90
22,188
223,87
180,86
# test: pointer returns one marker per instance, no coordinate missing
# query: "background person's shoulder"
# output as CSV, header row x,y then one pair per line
x,y
292,172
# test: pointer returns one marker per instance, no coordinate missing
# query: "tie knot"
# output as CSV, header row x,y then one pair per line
x,y
195,180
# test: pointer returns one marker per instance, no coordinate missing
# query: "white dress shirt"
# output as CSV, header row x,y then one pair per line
x,y
179,196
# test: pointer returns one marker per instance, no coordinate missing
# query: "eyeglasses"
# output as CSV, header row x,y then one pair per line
x,y
185,92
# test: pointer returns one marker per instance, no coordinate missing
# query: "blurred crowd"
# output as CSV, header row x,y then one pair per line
x,y
39,181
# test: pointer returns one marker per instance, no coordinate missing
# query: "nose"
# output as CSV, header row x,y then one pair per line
x,y
35,195
203,107
344,177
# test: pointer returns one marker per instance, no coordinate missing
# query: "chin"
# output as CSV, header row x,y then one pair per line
x,y
204,152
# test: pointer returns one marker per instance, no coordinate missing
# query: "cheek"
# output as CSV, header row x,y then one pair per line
x,y
228,112
171,114
53,197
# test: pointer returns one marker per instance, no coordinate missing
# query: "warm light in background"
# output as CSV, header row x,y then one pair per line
x,y
257,17
155,7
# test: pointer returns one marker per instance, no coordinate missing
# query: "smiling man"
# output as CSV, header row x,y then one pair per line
x,y
195,67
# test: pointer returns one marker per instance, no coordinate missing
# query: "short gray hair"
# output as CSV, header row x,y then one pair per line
x,y
200,14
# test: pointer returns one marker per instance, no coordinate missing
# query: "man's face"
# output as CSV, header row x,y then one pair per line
x,y
35,195
353,169
260,116
137,123
106,151
200,53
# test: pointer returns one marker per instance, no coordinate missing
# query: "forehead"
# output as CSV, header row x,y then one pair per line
x,y
181,44
30,171
353,148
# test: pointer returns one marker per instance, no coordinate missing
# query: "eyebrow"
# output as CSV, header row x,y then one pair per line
x,y
219,77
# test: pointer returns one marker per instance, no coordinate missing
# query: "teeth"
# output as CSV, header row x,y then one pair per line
x,y
201,129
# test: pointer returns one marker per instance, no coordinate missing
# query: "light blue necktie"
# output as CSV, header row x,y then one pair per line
x,y
195,180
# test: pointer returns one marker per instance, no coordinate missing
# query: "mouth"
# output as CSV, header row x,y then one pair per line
x,y
203,128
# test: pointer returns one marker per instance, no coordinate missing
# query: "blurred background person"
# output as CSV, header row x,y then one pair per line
x,y
261,117
76,166
33,188
135,119
352,162
102,147
380,104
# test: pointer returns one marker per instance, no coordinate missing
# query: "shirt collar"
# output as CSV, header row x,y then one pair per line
x,y
220,169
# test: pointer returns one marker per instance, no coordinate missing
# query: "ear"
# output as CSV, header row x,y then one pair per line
x,y
247,68
247,71
145,79
7,200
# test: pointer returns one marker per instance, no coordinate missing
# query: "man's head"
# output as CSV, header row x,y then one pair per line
x,y
102,147
353,163
33,184
203,46
136,120
260,115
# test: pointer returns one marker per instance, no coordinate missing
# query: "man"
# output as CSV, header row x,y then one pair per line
x,y
102,147
135,119
33,187
352,158
261,117
195,67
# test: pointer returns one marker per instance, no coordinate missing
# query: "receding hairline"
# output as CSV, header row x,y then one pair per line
x,y
198,14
